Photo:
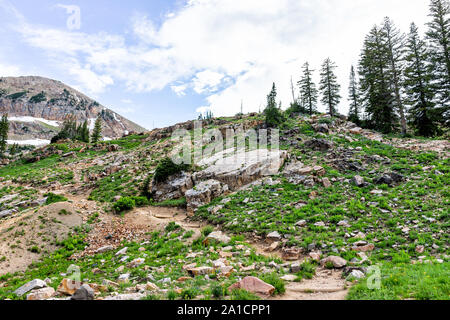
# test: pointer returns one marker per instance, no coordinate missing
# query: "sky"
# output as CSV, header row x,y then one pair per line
x,y
160,62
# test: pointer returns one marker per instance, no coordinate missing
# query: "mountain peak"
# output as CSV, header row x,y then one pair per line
x,y
37,106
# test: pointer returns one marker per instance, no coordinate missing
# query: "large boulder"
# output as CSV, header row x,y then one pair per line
x,y
173,188
241,168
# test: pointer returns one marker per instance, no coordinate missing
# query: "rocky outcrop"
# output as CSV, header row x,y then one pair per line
x,y
238,169
173,188
37,106
203,193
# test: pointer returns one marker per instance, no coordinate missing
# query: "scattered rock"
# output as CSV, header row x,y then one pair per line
x,y
358,181
337,262
274,236
104,249
41,294
34,284
124,278
326,183
319,144
254,285
218,237
68,287
200,271
85,292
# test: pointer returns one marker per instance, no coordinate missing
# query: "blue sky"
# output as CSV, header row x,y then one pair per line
x,y
162,62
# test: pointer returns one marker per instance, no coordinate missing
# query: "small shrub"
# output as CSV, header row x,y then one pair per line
x,y
188,294
141,201
171,295
172,226
124,204
54,198
218,291
206,231
240,294
35,249
167,168
274,280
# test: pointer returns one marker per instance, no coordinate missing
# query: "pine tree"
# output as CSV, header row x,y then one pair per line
x,y
329,86
85,132
438,36
374,66
97,132
418,84
272,112
308,89
353,97
394,41
4,128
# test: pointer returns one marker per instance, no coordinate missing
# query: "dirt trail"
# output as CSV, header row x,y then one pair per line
x,y
325,285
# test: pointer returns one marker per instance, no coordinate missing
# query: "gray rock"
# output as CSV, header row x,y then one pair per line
x,y
274,236
337,262
85,292
127,296
34,284
104,249
358,181
319,144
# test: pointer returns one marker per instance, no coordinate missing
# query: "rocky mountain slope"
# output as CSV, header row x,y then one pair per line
x,y
338,206
37,106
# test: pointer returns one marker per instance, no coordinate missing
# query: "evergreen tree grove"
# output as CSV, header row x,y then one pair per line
x,y
418,85
438,36
329,87
375,86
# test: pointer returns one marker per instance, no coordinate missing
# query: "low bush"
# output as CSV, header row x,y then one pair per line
x,y
124,204
167,168
54,198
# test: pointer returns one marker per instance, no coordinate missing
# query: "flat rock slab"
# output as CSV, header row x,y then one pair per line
x,y
241,168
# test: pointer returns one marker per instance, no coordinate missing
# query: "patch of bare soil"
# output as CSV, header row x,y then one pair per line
x,y
26,237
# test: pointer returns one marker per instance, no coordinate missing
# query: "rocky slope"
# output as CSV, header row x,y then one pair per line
x,y
37,106
338,202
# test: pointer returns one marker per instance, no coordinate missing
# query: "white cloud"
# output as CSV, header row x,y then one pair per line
x,y
207,81
208,42
9,71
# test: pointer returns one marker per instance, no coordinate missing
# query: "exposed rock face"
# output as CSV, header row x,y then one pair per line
x,y
37,106
236,170
204,193
174,188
